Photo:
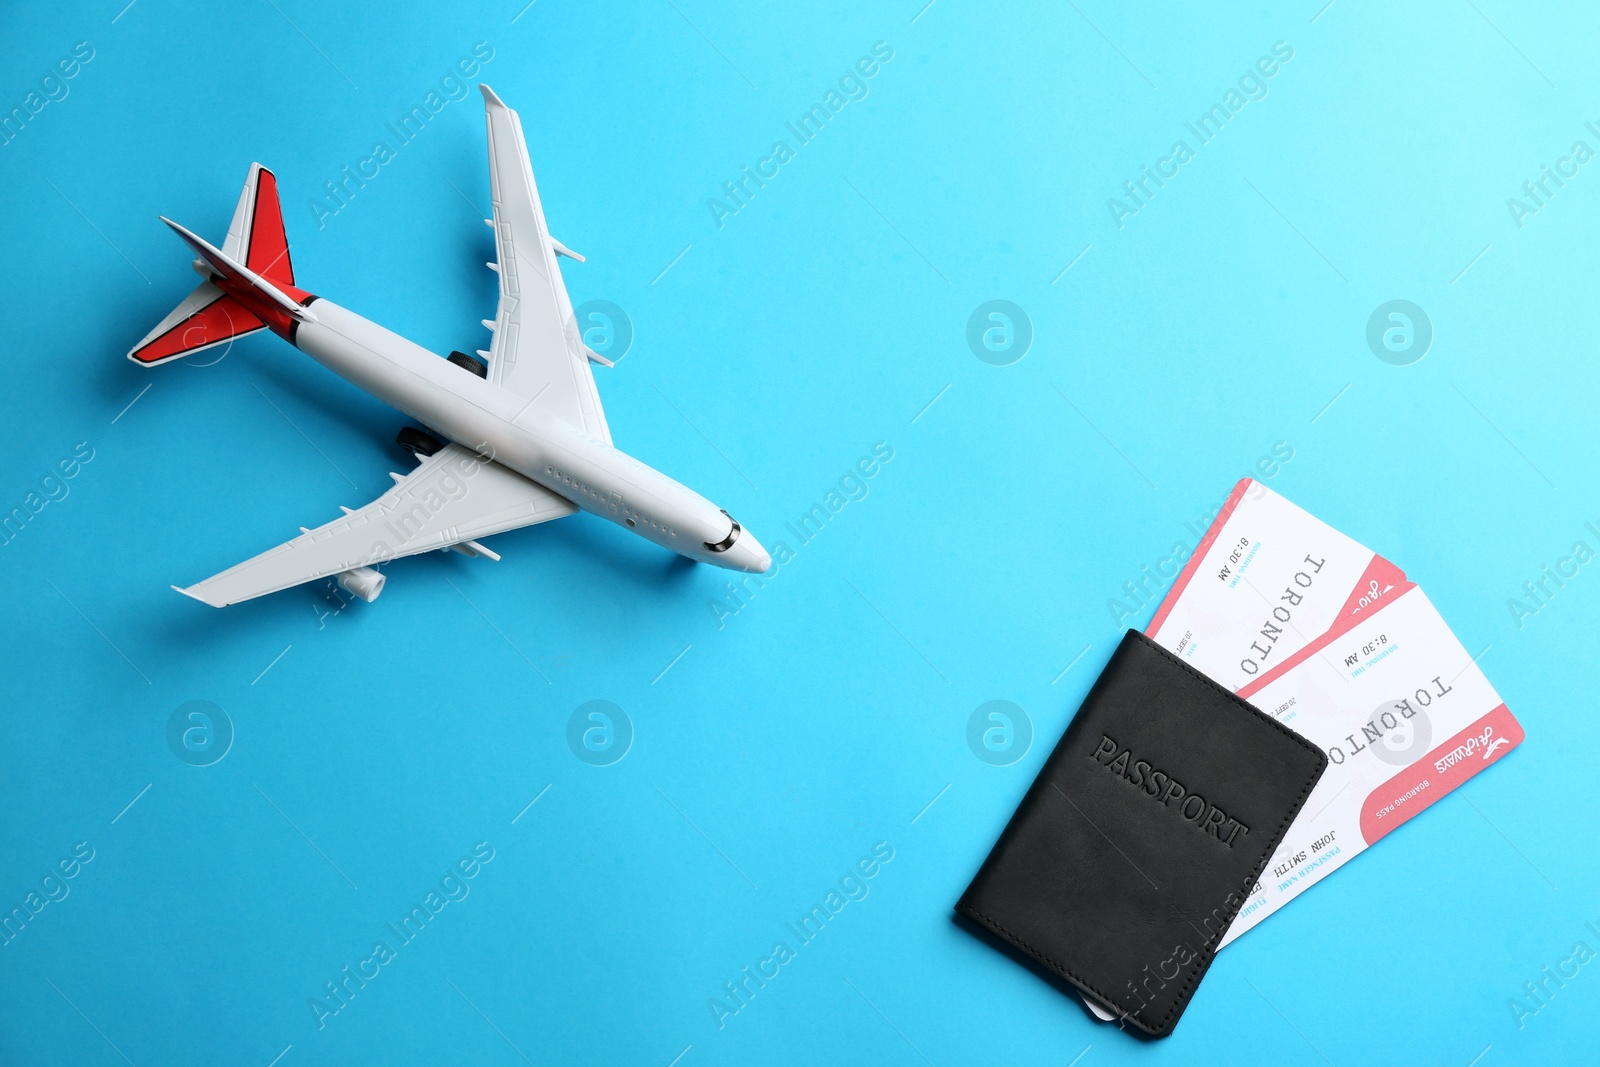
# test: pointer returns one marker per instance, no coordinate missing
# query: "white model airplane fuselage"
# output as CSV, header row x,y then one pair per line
x,y
508,428
528,440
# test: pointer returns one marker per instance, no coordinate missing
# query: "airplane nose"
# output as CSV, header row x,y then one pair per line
x,y
740,551
760,560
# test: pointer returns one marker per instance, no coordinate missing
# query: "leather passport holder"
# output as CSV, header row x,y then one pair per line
x,y
1134,849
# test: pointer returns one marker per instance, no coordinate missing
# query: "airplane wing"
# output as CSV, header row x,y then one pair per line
x,y
537,351
455,495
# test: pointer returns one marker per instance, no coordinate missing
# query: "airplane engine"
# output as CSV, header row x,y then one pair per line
x,y
364,582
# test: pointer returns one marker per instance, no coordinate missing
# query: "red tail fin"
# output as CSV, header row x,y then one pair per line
x,y
266,250
208,316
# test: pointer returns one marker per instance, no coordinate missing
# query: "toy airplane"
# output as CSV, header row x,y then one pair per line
x,y
515,441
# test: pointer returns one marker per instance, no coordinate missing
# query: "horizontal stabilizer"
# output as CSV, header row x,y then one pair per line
x,y
206,318
237,272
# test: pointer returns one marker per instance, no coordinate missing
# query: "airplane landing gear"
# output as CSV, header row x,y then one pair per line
x,y
418,442
469,363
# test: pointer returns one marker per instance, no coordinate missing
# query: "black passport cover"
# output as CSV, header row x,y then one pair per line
x,y
1134,849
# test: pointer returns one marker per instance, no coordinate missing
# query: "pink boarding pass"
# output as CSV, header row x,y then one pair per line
x,y
1404,715
1332,640
1265,581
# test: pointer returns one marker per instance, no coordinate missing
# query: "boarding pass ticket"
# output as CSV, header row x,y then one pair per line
x,y
1333,641
1267,580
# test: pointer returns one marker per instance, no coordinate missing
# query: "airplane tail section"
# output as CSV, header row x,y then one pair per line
x,y
206,318
252,264
256,237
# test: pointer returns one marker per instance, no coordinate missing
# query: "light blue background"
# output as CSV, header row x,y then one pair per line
x,y
830,712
